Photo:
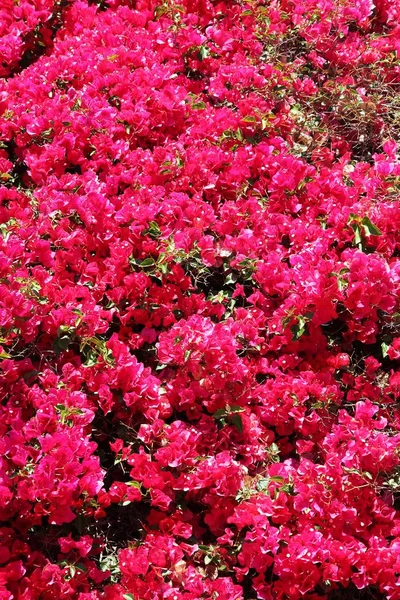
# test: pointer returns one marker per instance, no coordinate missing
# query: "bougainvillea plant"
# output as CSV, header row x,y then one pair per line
x,y
199,299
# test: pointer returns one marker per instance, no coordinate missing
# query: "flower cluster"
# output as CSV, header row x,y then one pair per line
x,y
199,299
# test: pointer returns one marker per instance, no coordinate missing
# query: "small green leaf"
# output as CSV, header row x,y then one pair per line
x,y
262,485
90,357
265,122
220,414
161,367
274,448
134,484
204,52
153,231
64,341
288,488
298,329
231,278
147,262
199,106
369,227
236,420
163,268
357,234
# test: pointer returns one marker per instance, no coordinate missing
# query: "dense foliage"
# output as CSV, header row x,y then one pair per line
x,y
199,299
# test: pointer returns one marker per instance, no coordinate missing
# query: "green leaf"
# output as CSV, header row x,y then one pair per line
x,y
199,106
385,347
163,268
135,484
236,420
369,227
90,357
262,485
64,341
298,329
153,231
274,448
357,234
147,262
204,52
65,337
207,559
231,278
161,367
128,596
220,414
288,488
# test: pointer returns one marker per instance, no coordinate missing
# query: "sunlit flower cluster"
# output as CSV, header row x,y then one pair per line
x,y
199,299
